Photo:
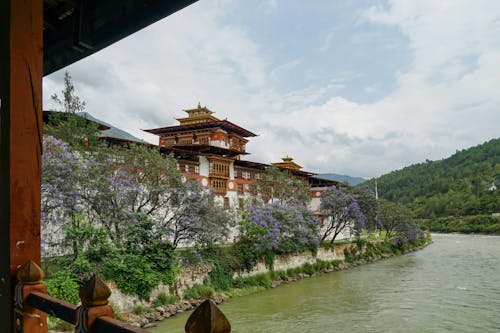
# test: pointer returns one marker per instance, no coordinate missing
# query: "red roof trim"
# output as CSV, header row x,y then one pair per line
x,y
184,128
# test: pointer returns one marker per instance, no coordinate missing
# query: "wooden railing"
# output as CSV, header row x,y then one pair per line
x,y
94,315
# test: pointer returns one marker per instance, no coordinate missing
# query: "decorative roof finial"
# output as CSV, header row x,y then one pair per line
x,y
199,105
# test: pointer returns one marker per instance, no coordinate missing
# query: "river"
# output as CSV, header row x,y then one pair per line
x,y
453,285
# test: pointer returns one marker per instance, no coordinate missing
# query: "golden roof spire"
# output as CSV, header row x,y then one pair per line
x,y
201,114
287,163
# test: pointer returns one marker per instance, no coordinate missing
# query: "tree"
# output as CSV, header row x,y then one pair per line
x,y
277,185
342,212
277,228
369,206
69,124
140,181
396,220
62,203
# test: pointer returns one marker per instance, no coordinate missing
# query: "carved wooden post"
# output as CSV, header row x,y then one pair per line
x,y
94,296
207,318
27,318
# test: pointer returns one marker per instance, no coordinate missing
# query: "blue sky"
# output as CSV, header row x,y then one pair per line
x,y
354,87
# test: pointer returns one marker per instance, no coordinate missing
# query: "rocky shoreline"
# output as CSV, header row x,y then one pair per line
x,y
148,318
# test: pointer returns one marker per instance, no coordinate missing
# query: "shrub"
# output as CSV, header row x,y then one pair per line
x,y
259,280
163,299
220,279
282,275
308,268
291,272
246,255
63,285
336,262
263,280
269,259
133,274
139,309
320,265
199,291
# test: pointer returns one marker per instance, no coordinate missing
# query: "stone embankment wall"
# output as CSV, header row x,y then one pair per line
x,y
189,276
286,261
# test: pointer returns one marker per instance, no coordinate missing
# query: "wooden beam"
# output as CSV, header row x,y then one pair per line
x,y
21,70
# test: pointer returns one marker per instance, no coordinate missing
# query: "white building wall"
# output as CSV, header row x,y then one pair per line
x,y
220,143
231,171
204,166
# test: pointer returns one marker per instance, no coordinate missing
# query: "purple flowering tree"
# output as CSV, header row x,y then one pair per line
x,y
62,204
369,206
279,228
342,213
196,217
107,191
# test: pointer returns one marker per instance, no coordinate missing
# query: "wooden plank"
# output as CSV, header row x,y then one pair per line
x,y
53,306
21,58
110,325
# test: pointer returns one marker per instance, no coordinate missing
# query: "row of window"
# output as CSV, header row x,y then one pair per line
x,y
219,169
203,140
246,174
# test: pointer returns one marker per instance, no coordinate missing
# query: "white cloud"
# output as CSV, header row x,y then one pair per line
x,y
447,100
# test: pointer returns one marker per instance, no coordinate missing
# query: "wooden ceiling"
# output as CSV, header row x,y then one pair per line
x,y
75,29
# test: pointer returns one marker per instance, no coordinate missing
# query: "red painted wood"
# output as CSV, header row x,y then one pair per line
x,y
25,130
21,58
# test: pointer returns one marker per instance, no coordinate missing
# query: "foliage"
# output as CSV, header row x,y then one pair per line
x,y
127,207
455,186
120,211
139,309
281,186
164,299
277,228
245,253
199,291
368,206
68,125
485,224
63,285
343,212
220,279
396,220
132,274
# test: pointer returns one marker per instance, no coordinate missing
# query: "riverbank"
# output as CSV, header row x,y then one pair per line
x,y
475,224
353,255
449,286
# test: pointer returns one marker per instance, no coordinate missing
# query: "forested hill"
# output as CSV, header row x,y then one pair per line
x,y
460,185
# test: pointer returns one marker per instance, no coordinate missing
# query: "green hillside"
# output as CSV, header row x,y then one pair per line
x,y
461,185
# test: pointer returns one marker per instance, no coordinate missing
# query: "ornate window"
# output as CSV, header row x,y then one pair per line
x,y
204,140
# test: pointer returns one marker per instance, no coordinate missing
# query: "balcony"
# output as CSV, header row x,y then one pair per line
x,y
237,147
219,174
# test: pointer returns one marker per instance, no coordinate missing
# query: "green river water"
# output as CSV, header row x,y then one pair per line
x,y
453,285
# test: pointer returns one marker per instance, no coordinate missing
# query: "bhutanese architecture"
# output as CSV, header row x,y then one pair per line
x,y
210,150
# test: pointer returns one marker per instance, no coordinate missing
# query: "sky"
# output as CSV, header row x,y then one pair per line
x,y
351,87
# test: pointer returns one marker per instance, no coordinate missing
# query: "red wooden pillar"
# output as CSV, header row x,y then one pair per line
x,y
21,70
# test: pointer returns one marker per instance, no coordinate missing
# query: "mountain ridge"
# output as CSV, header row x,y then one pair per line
x,y
353,181
465,183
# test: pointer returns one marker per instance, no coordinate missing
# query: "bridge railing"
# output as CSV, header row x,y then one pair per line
x,y
94,315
